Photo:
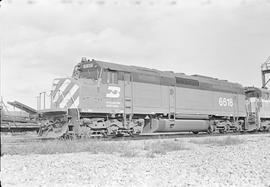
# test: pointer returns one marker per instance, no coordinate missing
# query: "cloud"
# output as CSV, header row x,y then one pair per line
x,y
42,41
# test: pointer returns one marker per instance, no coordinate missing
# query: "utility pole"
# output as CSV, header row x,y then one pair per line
x,y
1,70
38,102
265,69
44,101
41,100
1,111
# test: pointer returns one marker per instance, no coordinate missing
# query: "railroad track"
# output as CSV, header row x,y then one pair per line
x,y
182,135
23,140
28,140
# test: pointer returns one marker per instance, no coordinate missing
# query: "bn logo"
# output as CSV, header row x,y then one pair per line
x,y
114,92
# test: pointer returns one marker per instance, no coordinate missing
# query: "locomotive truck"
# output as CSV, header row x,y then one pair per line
x,y
102,98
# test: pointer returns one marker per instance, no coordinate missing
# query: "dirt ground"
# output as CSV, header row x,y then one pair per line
x,y
201,163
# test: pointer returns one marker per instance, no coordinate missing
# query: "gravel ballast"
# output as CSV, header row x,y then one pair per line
x,y
202,164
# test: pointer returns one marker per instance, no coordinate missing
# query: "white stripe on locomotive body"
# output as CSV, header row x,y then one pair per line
x,y
265,101
55,83
73,99
56,87
61,90
69,96
265,108
75,104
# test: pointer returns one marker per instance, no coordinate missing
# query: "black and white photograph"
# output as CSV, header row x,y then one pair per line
x,y
135,93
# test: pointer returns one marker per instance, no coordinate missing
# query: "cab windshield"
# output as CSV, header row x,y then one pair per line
x,y
87,71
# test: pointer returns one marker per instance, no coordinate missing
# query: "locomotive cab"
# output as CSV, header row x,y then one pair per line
x,y
92,70
87,69
105,93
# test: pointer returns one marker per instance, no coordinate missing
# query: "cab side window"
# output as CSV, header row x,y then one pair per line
x,y
110,77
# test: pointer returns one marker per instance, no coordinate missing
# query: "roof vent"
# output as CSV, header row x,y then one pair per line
x,y
84,59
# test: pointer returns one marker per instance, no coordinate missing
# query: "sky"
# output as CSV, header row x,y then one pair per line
x,y
43,40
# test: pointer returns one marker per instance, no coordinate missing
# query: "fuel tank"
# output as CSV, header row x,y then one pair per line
x,y
178,125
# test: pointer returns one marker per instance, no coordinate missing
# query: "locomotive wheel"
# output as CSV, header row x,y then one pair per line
x,y
119,135
211,129
131,133
105,134
221,131
227,128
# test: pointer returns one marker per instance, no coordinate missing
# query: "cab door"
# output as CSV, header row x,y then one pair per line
x,y
128,96
172,102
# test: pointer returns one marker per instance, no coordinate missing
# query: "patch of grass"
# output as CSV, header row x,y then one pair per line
x,y
123,148
150,154
162,147
129,153
67,146
220,142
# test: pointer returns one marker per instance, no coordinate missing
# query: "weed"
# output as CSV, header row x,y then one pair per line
x,y
220,142
129,153
67,146
124,148
150,154
162,147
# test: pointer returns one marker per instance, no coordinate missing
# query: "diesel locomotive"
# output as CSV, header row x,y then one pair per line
x,y
102,98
